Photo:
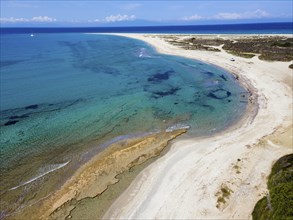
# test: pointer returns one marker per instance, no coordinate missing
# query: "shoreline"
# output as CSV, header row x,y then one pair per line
x,y
241,159
62,204
104,170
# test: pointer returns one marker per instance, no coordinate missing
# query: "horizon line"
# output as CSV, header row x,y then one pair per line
x,y
175,25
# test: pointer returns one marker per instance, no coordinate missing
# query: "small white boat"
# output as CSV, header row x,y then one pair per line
x,y
32,35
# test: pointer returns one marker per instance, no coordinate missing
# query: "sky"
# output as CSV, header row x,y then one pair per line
x,y
139,13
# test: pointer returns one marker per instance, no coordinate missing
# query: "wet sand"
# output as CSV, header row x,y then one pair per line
x,y
93,178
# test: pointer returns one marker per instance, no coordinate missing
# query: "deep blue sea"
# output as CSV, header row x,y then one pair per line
x,y
65,94
255,28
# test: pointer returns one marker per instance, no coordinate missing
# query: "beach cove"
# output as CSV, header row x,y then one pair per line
x,y
221,176
189,181
129,98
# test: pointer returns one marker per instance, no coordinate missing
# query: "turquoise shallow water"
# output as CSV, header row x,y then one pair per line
x,y
65,95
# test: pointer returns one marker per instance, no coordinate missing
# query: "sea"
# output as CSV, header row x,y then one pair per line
x,y
67,95
251,28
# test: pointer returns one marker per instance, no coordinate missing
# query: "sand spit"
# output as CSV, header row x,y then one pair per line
x,y
220,177
94,177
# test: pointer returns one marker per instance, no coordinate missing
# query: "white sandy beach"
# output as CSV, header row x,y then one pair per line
x,y
186,183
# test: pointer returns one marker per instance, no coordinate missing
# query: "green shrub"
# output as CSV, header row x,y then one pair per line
x,y
260,208
280,185
283,44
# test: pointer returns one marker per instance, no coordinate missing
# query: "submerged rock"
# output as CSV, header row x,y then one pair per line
x,y
32,107
219,94
11,122
17,117
158,77
209,74
171,91
223,77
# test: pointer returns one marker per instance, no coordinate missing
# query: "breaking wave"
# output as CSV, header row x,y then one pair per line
x,y
52,168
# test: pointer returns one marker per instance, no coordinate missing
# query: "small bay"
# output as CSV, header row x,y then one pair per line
x,y
65,97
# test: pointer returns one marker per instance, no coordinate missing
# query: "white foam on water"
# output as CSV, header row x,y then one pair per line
x,y
177,127
143,53
54,167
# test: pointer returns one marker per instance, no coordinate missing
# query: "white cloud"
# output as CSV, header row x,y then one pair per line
x,y
37,19
13,20
115,18
229,16
193,18
43,19
246,15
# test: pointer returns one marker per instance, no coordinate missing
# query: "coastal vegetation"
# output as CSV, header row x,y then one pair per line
x,y
245,55
270,48
278,204
223,195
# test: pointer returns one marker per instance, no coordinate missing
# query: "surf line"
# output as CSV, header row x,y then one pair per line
x,y
59,166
